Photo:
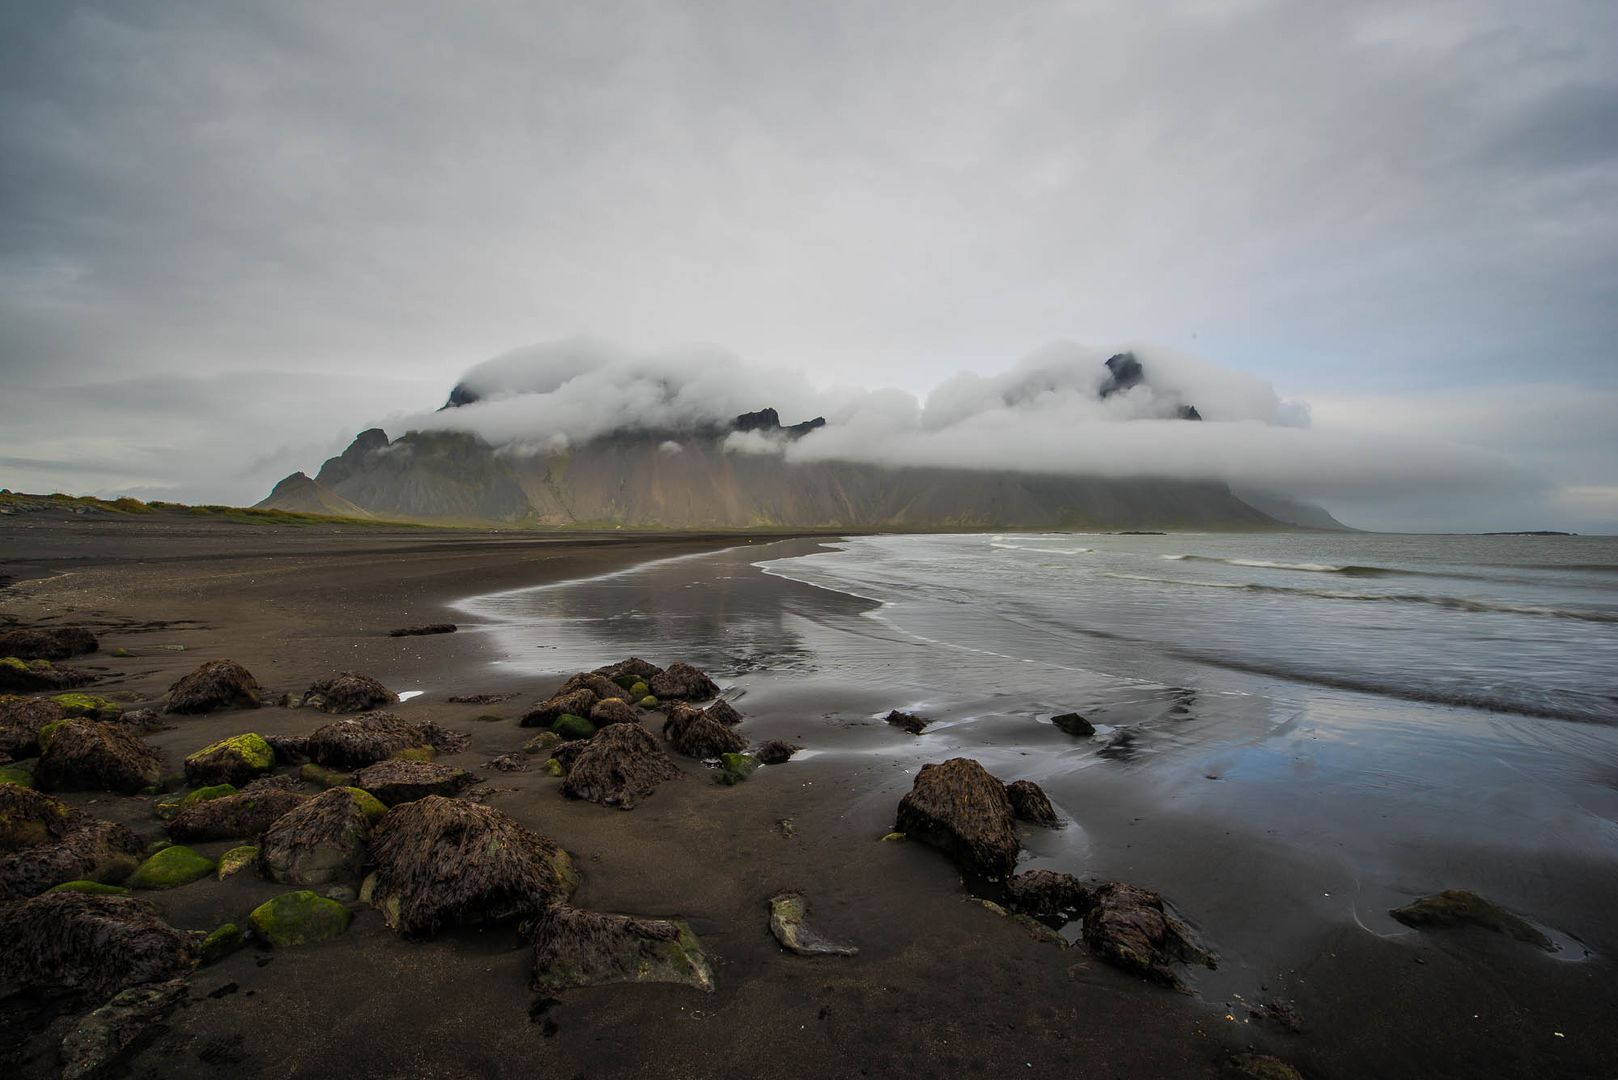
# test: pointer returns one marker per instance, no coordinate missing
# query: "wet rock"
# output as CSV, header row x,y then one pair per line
x,y
236,760
542,744
348,692
318,841
440,862
218,684
612,711
1131,928
1249,1065
1074,724
694,733
1028,803
34,675
94,888
100,1039
735,768
572,728
787,911
20,773
573,703
323,777
599,685
962,810
28,818
171,808
1046,894
170,868
289,749
84,849
364,740
566,754
93,755
396,782
39,643
724,712
91,706
231,817
619,766
682,682
96,945
775,752
634,667
220,943
425,630
142,720
1457,907
573,947
299,918
908,721
236,860
509,763
20,721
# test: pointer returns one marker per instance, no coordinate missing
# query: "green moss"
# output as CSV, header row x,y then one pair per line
x,y
734,768
416,753
553,767
322,776
97,708
648,702
170,868
47,732
121,653
489,718
299,918
369,804
625,682
894,836
171,807
572,727
95,888
20,773
236,860
250,749
221,943
639,689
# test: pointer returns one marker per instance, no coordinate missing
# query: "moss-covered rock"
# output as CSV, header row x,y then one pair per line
x,y
323,777
734,768
96,888
20,773
648,702
640,691
543,743
299,918
235,760
221,943
96,708
553,767
1251,1065
28,818
94,755
1458,907
237,859
35,675
170,868
570,726
372,807
415,753
170,808
573,947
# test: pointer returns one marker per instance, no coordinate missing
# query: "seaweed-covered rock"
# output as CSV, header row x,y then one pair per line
x,y
289,749
620,765
566,754
28,818
542,744
694,733
396,782
1074,724
573,947
1131,928
908,721
599,685
231,817
356,741
1047,894
40,643
235,760
572,728
787,913
425,630
218,684
321,839
98,1040
20,721
724,712
93,706
299,918
439,862
1457,907
97,945
31,675
85,849
168,809
93,755
348,692
572,703
962,810
170,868
682,682
775,752
634,667
612,710
1028,803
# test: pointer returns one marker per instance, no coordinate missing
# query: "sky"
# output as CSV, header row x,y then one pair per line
x,y
232,235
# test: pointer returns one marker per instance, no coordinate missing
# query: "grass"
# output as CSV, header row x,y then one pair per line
x,y
22,502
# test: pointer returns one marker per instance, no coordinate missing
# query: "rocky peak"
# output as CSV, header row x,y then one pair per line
x,y
769,422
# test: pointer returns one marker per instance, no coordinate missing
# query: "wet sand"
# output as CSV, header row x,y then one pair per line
x,y
940,987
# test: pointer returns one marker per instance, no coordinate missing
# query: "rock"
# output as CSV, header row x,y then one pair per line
x,y
423,631
959,808
372,807
321,776
20,721
28,818
235,760
142,720
787,910
682,682
31,675
571,727
573,703
88,705
299,918
218,684
442,740
1046,894
694,733
612,711
289,749
553,767
396,782
1028,803
171,808
619,766
320,840
170,868
38,643
343,894
440,862
724,712
648,702
508,763
543,743
356,741
735,768
221,943
85,849
573,947
478,699
569,752
1131,928
236,860
1250,1065
230,817
599,685
1074,724
20,773
92,755
97,945
775,752
1457,907
633,667
94,888
98,1040
908,721
348,692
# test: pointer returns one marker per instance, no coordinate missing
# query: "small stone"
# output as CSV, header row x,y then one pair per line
x,y
170,868
734,768
237,859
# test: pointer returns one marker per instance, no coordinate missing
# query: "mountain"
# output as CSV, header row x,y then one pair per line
x,y
299,494
1290,511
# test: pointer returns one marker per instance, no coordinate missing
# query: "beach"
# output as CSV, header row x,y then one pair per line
x,y
940,986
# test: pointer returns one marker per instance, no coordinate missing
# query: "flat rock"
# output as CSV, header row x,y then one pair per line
x,y
1457,907
573,947
787,912
396,782
100,1038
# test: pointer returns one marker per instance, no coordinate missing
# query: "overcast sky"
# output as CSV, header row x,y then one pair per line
x,y
233,234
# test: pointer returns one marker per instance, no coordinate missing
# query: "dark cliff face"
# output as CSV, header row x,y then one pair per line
x,y
1123,372
431,474
769,422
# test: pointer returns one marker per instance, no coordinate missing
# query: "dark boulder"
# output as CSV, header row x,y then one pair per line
x,y
348,692
218,684
573,703
634,668
29,676
609,711
1457,907
237,760
1028,803
361,740
289,749
573,947
98,1040
20,721
93,944
321,839
81,849
396,782
96,755
424,631
28,818
1046,894
599,685
244,814
682,682
908,721
724,712
621,764
441,862
1074,724
39,643
694,733
961,809
775,752
1131,928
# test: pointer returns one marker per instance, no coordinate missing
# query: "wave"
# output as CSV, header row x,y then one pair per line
x,y
998,543
1350,570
